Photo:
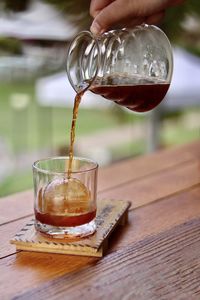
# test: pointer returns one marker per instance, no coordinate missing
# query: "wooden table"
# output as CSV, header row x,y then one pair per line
x,y
156,256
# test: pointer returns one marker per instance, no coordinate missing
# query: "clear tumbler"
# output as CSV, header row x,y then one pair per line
x,y
65,206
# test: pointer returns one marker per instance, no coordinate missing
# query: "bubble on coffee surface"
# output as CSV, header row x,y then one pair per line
x,y
125,80
66,196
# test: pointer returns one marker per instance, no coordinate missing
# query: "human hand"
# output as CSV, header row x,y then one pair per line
x,y
119,13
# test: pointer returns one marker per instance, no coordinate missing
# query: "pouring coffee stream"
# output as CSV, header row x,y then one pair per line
x,y
77,101
132,67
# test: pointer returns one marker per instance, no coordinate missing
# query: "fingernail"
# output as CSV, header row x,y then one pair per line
x,y
96,28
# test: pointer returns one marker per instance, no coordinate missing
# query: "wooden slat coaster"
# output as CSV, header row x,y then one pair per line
x,y
110,213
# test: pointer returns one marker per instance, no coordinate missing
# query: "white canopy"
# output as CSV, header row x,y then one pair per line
x,y
185,85
40,21
56,90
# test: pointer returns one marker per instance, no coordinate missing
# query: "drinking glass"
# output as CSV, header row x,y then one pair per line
x,y
65,206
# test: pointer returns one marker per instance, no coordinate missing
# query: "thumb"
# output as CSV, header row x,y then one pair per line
x,y
111,15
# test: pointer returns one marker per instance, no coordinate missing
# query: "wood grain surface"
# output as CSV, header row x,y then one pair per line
x,y
155,257
139,271
143,221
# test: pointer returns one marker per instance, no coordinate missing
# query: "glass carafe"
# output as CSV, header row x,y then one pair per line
x,y
132,67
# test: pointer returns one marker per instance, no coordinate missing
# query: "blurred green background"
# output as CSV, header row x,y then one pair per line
x,y
29,130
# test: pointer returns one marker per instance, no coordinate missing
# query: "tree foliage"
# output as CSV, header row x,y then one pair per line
x,y
16,5
76,10
10,45
175,16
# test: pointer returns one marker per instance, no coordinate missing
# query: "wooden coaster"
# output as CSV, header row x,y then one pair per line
x,y
110,213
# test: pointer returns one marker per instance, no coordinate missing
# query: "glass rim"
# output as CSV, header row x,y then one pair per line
x,y
45,171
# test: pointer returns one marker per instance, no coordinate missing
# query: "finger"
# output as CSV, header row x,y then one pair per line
x,y
176,2
97,5
112,15
130,23
155,18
